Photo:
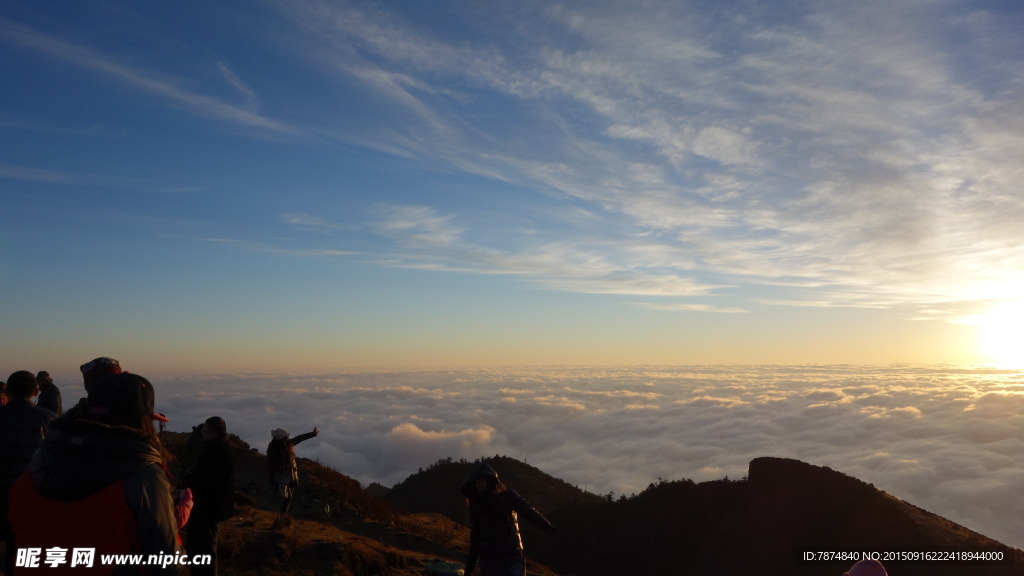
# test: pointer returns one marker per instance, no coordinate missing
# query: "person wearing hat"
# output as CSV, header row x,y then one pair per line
x,y
92,371
49,394
97,368
100,481
283,469
22,426
494,540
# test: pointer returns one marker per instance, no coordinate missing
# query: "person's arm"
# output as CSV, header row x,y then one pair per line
x,y
148,495
304,437
521,506
182,506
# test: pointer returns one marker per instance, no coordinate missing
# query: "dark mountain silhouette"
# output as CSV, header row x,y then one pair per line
x,y
755,526
436,489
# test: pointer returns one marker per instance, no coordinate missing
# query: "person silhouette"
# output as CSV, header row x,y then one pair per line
x,y
283,469
494,539
100,480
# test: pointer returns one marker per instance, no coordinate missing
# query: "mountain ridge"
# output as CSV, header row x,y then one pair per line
x,y
758,525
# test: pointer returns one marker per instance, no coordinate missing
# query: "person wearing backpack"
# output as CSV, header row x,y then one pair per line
x,y
283,469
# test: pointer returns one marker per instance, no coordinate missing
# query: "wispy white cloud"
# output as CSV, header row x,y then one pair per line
x,y
436,241
819,147
137,78
307,221
35,175
276,249
847,155
419,226
250,96
95,130
689,307
91,180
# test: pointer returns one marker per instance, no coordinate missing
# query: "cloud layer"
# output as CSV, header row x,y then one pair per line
x,y
948,440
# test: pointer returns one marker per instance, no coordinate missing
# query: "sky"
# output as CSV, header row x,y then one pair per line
x,y
618,240
309,186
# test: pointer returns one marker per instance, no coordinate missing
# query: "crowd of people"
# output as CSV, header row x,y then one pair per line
x,y
101,468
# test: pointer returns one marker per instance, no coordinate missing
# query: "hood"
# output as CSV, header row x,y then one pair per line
x,y
80,457
482,470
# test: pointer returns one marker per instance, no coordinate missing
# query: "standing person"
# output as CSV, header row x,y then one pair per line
x,y
212,480
282,469
22,427
193,446
100,482
494,539
92,371
49,394
97,368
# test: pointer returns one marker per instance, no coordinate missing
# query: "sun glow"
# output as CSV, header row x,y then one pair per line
x,y
1001,334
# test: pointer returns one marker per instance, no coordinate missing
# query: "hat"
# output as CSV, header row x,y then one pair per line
x,y
279,433
98,368
121,399
482,470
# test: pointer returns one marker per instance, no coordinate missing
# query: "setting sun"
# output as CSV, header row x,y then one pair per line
x,y
1001,333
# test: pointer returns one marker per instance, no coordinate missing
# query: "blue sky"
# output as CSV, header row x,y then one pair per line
x,y
293,185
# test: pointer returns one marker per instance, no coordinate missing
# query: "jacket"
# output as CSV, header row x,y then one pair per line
x,y
22,427
49,397
212,480
494,519
102,484
281,458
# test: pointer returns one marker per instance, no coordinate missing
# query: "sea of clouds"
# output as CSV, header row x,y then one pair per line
x,y
947,439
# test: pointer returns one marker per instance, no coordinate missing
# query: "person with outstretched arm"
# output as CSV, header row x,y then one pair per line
x,y
494,540
283,469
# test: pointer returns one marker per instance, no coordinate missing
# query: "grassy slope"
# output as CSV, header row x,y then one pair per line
x,y
338,527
